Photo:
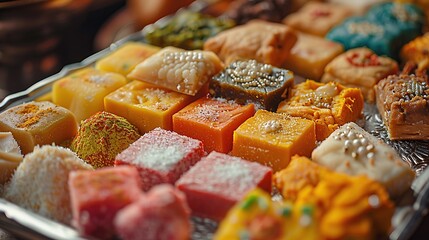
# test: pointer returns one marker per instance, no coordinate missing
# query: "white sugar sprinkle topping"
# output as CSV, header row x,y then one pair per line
x,y
160,158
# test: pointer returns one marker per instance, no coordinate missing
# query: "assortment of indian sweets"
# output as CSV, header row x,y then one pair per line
x,y
252,118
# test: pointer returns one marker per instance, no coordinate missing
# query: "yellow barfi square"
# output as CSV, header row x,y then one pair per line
x,y
38,123
310,55
146,106
273,138
125,58
83,92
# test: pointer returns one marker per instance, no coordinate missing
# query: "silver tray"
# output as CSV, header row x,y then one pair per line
x,y
407,218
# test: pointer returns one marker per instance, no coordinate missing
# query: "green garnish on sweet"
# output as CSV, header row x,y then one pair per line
x,y
248,202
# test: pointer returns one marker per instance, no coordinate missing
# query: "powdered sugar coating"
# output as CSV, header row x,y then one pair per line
x,y
161,156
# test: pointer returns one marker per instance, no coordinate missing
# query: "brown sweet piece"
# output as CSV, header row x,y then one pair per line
x,y
360,68
250,81
403,102
317,18
260,40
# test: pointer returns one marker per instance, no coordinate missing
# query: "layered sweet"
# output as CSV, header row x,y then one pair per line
x,y
161,214
213,121
125,58
272,139
310,55
348,207
147,106
83,91
97,196
247,81
161,156
101,137
38,123
39,184
10,156
384,29
219,181
329,105
403,103
317,18
178,70
353,151
360,68
262,41
190,30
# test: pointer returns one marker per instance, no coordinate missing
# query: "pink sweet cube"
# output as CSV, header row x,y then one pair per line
x,y
161,214
96,197
161,156
219,181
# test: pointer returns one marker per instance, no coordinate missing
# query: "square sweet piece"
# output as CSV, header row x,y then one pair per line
x,y
97,196
360,68
249,81
126,57
83,92
178,70
329,105
161,156
384,29
310,55
147,106
10,156
317,18
38,123
263,41
273,138
212,121
403,103
161,214
219,181
353,151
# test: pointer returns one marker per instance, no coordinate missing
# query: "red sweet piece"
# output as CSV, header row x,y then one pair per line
x,y
161,156
219,181
161,214
96,197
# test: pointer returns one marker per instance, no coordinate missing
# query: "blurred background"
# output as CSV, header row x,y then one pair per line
x,y
39,37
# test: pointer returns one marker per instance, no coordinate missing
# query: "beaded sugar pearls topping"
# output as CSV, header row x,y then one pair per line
x,y
251,74
355,144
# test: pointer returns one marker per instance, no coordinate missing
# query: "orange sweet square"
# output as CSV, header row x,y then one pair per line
x,y
146,106
329,105
212,121
273,138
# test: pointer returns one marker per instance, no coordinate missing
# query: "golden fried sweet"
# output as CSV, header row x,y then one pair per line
x,y
262,41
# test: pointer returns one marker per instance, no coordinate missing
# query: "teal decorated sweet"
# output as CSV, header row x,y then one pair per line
x,y
384,29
